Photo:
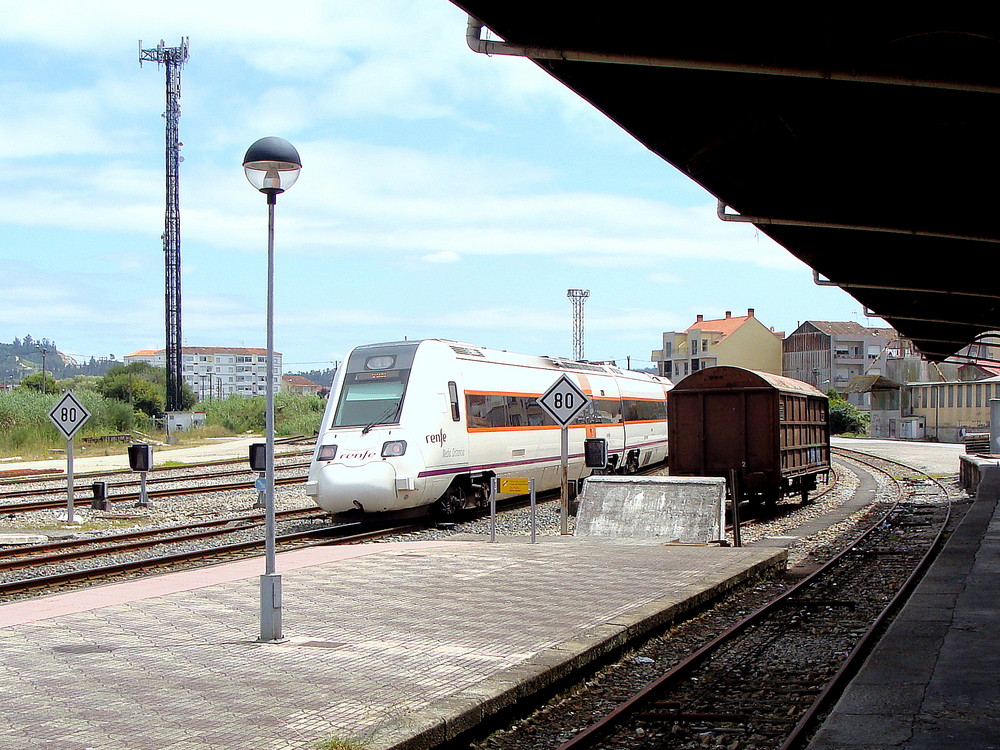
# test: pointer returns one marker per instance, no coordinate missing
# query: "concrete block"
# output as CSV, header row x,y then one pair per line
x,y
674,509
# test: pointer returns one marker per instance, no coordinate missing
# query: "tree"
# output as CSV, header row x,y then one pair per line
x,y
36,382
844,416
143,386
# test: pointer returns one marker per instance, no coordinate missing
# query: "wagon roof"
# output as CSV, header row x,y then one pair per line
x,y
746,378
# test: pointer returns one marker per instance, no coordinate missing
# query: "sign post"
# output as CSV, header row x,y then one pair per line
x,y
563,401
69,416
521,486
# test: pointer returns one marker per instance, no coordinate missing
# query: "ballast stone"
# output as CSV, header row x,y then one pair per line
x,y
674,509
14,539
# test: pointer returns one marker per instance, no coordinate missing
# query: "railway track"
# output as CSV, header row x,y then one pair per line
x,y
13,478
176,552
56,565
172,483
174,476
757,669
762,682
56,552
133,497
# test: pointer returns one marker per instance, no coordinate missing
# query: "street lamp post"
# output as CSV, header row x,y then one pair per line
x,y
272,166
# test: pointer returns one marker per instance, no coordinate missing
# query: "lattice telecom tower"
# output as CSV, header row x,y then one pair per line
x,y
173,58
578,296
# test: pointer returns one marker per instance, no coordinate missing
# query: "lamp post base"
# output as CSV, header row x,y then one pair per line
x,y
270,609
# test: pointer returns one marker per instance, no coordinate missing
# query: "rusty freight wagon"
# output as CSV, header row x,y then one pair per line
x,y
770,433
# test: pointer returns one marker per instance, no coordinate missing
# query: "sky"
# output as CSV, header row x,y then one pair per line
x,y
443,194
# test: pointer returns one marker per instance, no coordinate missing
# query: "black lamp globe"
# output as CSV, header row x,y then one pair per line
x,y
272,165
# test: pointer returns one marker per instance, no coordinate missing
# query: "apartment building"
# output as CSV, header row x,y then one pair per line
x,y
829,354
741,341
218,372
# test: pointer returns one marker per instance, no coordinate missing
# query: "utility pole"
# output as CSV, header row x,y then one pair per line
x,y
173,58
45,385
578,297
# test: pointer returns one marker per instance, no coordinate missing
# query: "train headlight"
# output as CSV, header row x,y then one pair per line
x,y
326,453
393,449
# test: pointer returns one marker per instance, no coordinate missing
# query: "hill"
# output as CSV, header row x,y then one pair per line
x,y
24,357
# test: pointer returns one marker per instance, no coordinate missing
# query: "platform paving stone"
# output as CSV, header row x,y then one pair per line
x,y
931,682
381,647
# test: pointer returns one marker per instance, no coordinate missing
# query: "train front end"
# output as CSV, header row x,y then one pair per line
x,y
365,462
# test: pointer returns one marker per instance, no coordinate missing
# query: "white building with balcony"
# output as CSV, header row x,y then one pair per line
x,y
218,372
737,340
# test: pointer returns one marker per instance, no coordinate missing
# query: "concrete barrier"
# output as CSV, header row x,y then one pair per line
x,y
980,476
675,509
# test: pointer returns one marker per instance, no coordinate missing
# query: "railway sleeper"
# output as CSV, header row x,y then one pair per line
x,y
809,603
697,716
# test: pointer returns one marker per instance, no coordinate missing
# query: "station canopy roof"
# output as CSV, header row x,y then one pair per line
x,y
867,147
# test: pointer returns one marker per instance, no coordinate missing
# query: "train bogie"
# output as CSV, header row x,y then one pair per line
x,y
427,424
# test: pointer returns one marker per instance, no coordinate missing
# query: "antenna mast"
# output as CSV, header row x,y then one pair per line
x,y
578,297
173,58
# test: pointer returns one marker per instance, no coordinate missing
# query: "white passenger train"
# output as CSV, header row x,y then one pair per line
x,y
425,424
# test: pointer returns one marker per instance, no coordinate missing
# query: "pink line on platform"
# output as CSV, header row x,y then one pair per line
x,y
45,608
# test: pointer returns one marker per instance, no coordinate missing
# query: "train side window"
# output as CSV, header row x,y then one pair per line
x,y
456,411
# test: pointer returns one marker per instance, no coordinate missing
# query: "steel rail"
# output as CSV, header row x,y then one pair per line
x,y
9,477
629,708
28,584
153,494
84,487
46,553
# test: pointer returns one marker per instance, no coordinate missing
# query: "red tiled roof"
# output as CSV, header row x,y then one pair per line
x,y
300,380
204,350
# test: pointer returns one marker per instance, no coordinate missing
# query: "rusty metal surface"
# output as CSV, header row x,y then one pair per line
x,y
765,428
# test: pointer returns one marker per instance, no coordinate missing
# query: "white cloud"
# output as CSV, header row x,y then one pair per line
x,y
446,256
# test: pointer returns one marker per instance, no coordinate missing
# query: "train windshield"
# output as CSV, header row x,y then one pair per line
x,y
368,399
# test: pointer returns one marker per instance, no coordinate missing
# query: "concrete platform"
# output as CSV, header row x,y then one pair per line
x,y
933,681
390,645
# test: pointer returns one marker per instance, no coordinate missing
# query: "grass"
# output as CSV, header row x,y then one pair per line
x,y
337,743
80,511
27,433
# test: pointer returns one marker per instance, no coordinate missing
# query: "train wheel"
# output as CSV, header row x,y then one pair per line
x,y
449,503
632,463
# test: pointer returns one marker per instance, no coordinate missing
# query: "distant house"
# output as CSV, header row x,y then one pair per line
x,y
979,370
887,408
299,384
218,371
740,341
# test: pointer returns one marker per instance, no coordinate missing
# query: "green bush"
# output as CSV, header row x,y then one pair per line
x,y
845,417
294,414
25,425
142,385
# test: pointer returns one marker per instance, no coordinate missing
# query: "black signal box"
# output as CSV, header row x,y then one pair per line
x,y
595,452
140,456
258,456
